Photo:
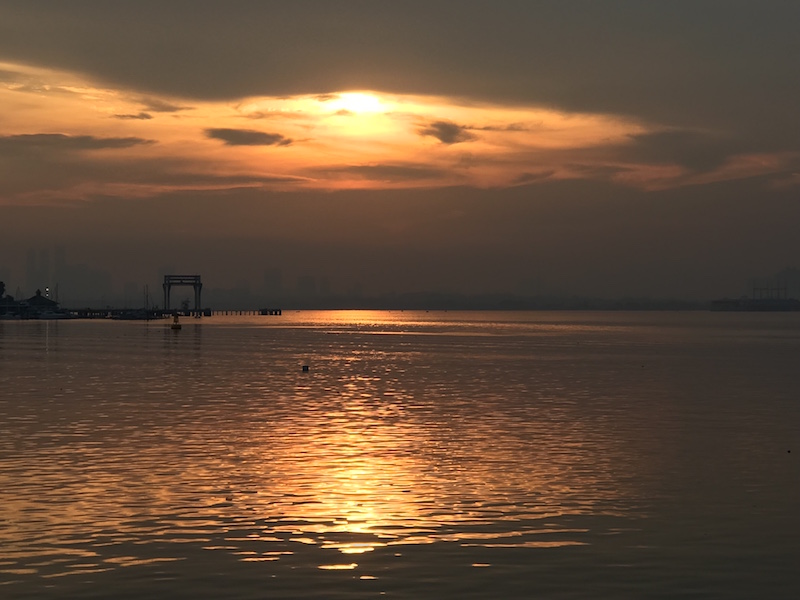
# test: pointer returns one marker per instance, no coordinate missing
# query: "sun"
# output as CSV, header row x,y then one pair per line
x,y
357,102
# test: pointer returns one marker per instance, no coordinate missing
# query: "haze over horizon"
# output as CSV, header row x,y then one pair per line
x,y
601,149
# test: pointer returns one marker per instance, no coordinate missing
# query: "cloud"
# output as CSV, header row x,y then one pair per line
x,y
447,132
693,150
596,171
31,178
7,76
514,127
274,114
195,180
247,137
62,142
512,52
533,177
729,74
387,172
141,116
158,105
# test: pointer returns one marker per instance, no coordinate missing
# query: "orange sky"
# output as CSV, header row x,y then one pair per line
x,y
342,140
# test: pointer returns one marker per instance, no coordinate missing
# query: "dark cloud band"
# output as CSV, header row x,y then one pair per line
x,y
447,132
247,137
60,141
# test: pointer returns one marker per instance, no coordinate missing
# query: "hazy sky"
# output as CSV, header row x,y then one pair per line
x,y
594,148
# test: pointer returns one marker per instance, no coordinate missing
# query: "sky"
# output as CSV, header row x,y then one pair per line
x,y
591,148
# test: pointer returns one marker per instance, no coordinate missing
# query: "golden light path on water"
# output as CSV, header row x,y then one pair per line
x,y
400,436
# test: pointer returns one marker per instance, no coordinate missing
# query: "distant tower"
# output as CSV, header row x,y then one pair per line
x,y
306,286
44,267
37,272
273,281
30,270
59,263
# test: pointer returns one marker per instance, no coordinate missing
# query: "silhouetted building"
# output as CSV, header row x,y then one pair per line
x,y
8,306
40,303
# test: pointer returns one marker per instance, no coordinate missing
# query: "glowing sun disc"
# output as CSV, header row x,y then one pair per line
x,y
357,102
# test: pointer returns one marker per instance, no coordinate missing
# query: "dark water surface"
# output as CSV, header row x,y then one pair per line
x,y
423,455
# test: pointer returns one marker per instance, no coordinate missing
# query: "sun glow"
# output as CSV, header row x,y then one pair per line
x,y
356,102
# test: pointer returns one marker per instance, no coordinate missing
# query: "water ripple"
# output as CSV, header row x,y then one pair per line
x,y
143,449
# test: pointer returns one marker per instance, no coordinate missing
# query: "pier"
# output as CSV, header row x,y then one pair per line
x,y
141,314
42,307
260,311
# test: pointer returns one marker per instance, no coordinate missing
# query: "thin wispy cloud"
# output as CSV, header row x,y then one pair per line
x,y
60,141
447,132
142,116
247,137
695,150
161,106
385,172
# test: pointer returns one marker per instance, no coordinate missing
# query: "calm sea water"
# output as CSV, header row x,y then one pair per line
x,y
423,455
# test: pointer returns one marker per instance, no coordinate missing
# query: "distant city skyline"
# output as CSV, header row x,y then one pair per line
x,y
79,284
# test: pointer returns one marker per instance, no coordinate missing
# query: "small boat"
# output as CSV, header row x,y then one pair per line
x,y
175,323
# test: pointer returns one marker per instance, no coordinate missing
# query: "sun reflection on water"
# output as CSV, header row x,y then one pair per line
x,y
388,441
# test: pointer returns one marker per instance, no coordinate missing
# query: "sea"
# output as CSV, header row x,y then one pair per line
x,y
380,454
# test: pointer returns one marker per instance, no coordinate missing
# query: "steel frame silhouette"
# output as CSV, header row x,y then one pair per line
x,y
185,280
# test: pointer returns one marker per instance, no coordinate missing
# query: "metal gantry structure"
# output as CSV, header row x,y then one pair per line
x,y
185,280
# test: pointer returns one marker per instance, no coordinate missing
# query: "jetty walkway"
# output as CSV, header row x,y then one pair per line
x,y
141,314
